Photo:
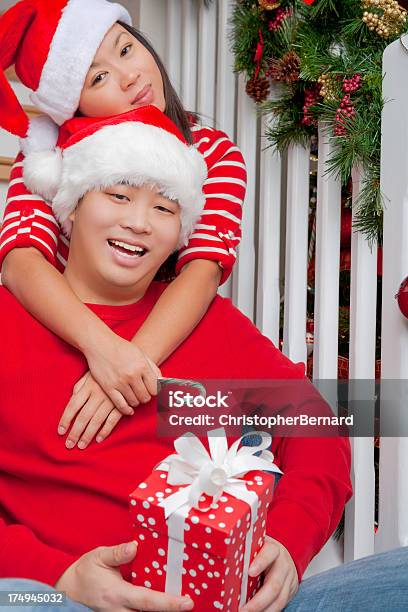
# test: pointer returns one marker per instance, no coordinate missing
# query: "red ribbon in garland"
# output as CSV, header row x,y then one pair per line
x,y
259,53
308,1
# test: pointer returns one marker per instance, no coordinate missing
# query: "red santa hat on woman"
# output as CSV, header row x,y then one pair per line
x,y
52,44
140,147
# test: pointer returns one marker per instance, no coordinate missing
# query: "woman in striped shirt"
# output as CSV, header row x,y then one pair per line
x,y
125,73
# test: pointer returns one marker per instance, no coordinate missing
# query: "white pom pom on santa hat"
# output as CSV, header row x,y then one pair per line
x,y
43,160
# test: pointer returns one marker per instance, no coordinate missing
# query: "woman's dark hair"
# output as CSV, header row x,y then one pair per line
x,y
174,108
167,271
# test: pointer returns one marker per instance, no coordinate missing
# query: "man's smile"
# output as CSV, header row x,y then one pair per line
x,y
127,249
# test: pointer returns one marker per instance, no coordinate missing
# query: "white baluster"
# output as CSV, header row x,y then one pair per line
x,y
327,261
294,334
172,57
268,291
207,47
225,91
189,43
243,281
393,515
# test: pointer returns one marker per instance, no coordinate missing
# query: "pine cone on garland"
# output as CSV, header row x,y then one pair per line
x,y
269,5
286,69
257,88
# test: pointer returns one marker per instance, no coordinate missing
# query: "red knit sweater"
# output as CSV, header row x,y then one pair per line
x,y
56,504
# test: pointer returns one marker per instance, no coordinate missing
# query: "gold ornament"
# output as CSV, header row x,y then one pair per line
x,y
267,5
328,89
388,19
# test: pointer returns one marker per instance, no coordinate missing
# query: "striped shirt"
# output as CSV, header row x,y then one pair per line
x,y
30,222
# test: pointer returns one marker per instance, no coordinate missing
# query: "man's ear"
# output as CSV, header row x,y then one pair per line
x,y
72,216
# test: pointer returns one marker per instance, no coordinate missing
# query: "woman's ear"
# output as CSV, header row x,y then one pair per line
x,y
72,215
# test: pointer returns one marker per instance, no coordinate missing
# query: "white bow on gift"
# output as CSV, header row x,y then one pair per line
x,y
215,472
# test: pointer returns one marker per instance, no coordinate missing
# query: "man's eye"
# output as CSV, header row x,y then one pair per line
x,y
164,209
99,78
126,50
119,196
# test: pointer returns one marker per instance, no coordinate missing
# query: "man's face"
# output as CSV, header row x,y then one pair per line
x,y
120,238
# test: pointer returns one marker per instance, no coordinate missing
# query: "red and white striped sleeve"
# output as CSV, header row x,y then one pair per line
x,y
29,221
218,232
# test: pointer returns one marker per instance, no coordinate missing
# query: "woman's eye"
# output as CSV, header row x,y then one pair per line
x,y
125,50
99,78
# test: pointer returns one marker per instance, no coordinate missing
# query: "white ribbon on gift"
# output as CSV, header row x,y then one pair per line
x,y
211,474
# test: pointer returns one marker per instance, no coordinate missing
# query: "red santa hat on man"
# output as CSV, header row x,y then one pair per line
x,y
140,147
52,44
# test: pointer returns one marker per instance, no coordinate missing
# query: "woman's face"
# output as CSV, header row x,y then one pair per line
x,y
123,76
120,238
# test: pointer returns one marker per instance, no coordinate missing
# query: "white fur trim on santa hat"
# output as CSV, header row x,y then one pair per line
x,y
42,172
138,154
81,29
42,135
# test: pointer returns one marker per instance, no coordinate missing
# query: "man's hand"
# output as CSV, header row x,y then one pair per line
x,y
95,581
95,414
126,374
280,578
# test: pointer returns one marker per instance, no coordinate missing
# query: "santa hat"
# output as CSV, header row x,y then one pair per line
x,y
140,147
52,44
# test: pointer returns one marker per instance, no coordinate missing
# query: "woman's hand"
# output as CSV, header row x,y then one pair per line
x,y
126,374
95,581
280,578
95,414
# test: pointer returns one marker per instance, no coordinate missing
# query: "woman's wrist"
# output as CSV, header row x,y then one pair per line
x,y
148,348
94,337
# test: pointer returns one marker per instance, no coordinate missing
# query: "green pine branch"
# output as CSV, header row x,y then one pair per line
x,y
330,38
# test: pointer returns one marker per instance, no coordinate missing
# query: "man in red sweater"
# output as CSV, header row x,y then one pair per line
x,y
63,512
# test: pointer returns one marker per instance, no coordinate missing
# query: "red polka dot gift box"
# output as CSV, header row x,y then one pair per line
x,y
200,518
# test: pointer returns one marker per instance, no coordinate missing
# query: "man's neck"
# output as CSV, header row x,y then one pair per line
x,y
92,292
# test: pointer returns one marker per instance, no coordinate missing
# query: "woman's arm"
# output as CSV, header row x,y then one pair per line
x,y
217,234
179,309
64,313
121,369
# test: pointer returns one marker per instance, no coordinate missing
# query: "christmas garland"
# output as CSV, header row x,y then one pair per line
x,y
327,54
